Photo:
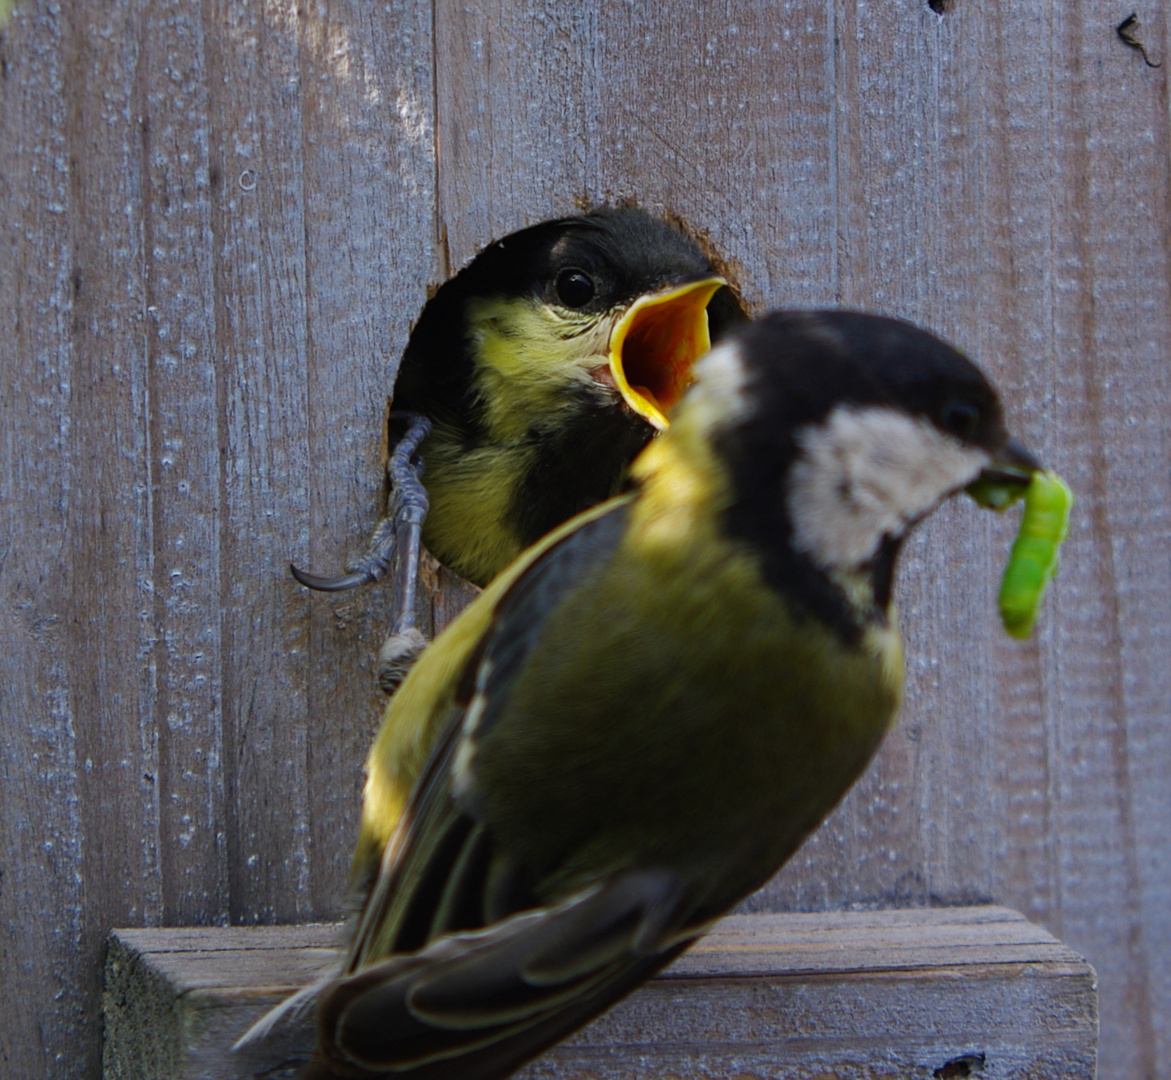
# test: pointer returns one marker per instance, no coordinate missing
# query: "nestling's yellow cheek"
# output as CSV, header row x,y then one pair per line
x,y
528,354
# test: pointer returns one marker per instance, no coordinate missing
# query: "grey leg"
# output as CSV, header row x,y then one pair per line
x,y
408,508
396,541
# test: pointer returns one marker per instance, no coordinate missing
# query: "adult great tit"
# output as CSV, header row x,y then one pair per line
x,y
544,367
638,722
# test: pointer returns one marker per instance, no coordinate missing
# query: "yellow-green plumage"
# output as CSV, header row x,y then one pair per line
x,y
472,491
673,553
655,598
530,375
422,706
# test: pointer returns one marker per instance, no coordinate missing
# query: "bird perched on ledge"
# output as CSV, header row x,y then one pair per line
x,y
640,720
544,367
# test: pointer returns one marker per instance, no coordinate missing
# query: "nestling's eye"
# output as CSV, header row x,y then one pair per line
x,y
960,418
575,288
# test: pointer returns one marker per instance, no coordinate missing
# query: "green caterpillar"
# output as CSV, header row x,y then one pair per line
x,y
1033,561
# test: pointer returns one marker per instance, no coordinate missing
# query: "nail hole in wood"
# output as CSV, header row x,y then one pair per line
x,y
940,7
966,1066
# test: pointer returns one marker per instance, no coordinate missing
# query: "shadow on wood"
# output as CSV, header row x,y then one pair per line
x,y
930,992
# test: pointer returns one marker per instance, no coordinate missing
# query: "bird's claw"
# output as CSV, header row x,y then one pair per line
x,y
396,542
362,571
408,508
339,583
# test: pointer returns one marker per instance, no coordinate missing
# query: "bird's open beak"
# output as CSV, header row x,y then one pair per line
x,y
656,342
1005,479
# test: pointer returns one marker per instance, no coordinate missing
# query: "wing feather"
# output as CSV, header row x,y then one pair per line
x,y
456,969
506,984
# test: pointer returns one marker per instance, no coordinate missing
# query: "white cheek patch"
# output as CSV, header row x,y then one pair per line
x,y
718,397
869,473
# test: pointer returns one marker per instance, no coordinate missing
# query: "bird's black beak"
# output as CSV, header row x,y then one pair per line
x,y
655,344
1004,479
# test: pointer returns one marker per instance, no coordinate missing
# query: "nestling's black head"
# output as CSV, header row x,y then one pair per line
x,y
582,266
590,263
843,431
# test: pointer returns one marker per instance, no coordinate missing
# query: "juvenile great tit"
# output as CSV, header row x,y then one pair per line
x,y
544,367
638,722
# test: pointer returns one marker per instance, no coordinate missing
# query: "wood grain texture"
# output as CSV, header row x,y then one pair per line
x,y
855,995
369,127
171,286
41,767
217,222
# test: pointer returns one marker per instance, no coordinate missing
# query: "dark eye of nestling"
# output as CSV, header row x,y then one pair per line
x,y
960,418
575,288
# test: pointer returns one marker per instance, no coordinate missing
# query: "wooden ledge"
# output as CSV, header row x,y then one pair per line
x,y
931,992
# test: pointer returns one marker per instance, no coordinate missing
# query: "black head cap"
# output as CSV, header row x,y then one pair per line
x,y
624,252
799,367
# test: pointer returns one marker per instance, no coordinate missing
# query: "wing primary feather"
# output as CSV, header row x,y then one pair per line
x,y
467,991
288,1011
431,883
507,889
462,904
373,1021
500,1053
629,917
430,805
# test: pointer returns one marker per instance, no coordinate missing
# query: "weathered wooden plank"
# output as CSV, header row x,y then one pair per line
x,y
39,764
79,299
727,118
371,252
1019,288
856,995
120,762
258,223
1111,311
180,456
543,109
516,101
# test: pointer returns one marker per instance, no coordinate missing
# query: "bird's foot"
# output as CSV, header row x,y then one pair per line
x,y
396,544
408,506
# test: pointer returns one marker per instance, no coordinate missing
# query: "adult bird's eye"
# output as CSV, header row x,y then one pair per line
x,y
961,418
575,288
